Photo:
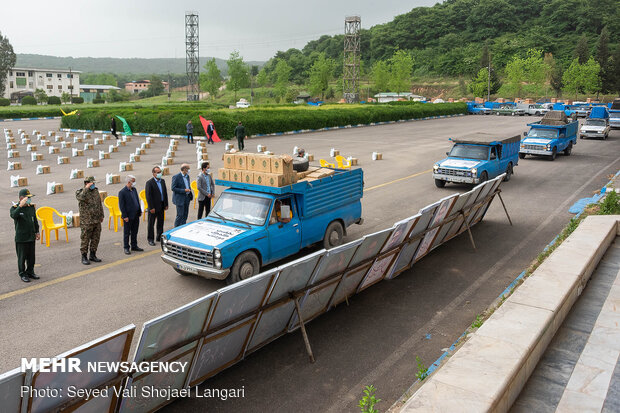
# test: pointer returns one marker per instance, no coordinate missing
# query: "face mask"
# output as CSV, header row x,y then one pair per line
x,y
93,187
208,171
159,175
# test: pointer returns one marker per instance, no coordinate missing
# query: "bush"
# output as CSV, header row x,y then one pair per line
x,y
171,119
29,100
97,101
77,99
5,102
53,100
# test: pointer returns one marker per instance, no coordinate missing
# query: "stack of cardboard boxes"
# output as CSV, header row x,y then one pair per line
x,y
258,169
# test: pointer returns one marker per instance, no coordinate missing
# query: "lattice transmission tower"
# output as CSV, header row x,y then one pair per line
x,y
352,49
192,65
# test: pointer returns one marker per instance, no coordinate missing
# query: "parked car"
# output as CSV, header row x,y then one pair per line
x,y
476,158
243,104
477,109
534,109
509,109
614,114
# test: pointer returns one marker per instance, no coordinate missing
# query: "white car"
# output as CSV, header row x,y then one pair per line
x,y
595,128
243,104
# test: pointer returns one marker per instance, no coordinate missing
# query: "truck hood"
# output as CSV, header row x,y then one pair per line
x,y
459,163
208,234
535,141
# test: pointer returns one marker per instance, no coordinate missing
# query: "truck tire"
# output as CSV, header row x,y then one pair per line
x,y
484,176
553,154
537,114
246,266
508,173
184,273
568,149
522,155
333,235
513,113
497,113
300,165
440,183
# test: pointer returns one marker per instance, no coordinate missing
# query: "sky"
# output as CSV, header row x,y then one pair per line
x,y
156,28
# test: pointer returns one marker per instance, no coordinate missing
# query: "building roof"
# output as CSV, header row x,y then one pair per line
x,y
103,87
45,70
389,94
482,138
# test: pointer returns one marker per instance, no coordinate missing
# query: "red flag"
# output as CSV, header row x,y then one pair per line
x,y
205,124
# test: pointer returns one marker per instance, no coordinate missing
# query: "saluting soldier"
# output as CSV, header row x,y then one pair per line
x,y
26,233
91,217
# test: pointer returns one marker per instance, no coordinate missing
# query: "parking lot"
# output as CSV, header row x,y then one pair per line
x,y
376,338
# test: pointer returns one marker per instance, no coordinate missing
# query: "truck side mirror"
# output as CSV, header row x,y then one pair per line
x,y
562,136
524,134
447,153
493,156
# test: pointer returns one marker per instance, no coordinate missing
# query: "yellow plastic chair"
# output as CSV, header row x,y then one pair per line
x,y
343,163
46,216
142,196
325,164
111,202
194,187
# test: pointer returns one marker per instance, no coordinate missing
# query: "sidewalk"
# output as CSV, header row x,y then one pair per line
x,y
580,370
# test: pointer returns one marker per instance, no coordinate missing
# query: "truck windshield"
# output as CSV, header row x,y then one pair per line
x,y
595,122
470,152
542,133
249,209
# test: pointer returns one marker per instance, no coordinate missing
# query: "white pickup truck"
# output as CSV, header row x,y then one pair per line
x,y
594,128
532,109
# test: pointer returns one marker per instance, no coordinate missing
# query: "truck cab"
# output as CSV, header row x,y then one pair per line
x,y
509,109
553,134
596,125
476,158
477,109
252,225
614,114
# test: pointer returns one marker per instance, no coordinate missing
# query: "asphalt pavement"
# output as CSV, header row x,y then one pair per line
x,y
376,338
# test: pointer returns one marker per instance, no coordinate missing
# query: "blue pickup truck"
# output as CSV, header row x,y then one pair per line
x,y
477,109
251,225
553,134
476,158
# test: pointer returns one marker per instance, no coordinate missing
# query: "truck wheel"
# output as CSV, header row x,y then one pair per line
x,y
513,114
522,155
508,173
246,266
553,154
537,114
484,176
440,183
333,235
568,149
182,272
497,113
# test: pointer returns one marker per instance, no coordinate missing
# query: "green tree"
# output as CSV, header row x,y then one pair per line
x,y
65,97
381,75
479,85
515,75
211,80
40,95
262,78
283,73
156,87
582,50
535,68
401,70
580,78
602,57
7,60
614,72
321,73
238,73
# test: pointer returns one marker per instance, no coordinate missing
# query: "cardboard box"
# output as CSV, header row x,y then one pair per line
x,y
72,135
229,160
201,149
241,161
46,169
103,195
15,155
63,160
165,171
223,174
140,151
59,139
236,175
75,220
171,154
122,143
379,156
259,163
106,155
46,143
259,178
321,173
59,188
114,149
22,182
128,167
310,157
136,158
66,144
169,161
79,152
335,152
147,146
202,144
96,163
11,146
127,138
80,174
116,179
38,157
26,141
353,161
17,165
247,177
54,150
33,148
274,180
204,157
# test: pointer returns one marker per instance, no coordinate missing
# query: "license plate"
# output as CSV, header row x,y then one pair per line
x,y
187,269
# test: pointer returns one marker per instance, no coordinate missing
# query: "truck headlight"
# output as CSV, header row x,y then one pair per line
x,y
217,258
435,167
217,253
548,147
474,172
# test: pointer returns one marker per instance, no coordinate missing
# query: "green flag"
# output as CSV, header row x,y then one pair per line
x,y
125,126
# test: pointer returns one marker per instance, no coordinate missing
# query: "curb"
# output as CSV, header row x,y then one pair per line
x,y
262,135
17,119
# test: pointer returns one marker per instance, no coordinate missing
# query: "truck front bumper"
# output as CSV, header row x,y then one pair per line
x,y
614,122
592,134
457,179
535,152
195,269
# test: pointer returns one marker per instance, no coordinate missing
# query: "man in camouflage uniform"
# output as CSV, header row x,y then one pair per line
x,y
91,216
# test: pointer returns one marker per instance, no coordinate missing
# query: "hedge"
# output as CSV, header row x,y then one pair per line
x,y
77,99
5,102
29,100
53,100
259,120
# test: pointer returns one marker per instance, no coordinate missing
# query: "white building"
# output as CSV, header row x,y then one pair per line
x,y
24,81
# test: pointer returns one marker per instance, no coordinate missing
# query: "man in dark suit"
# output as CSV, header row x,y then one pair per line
x,y
157,201
182,194
129,204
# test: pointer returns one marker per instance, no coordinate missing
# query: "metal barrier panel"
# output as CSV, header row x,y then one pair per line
x,y
371,245
10,390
